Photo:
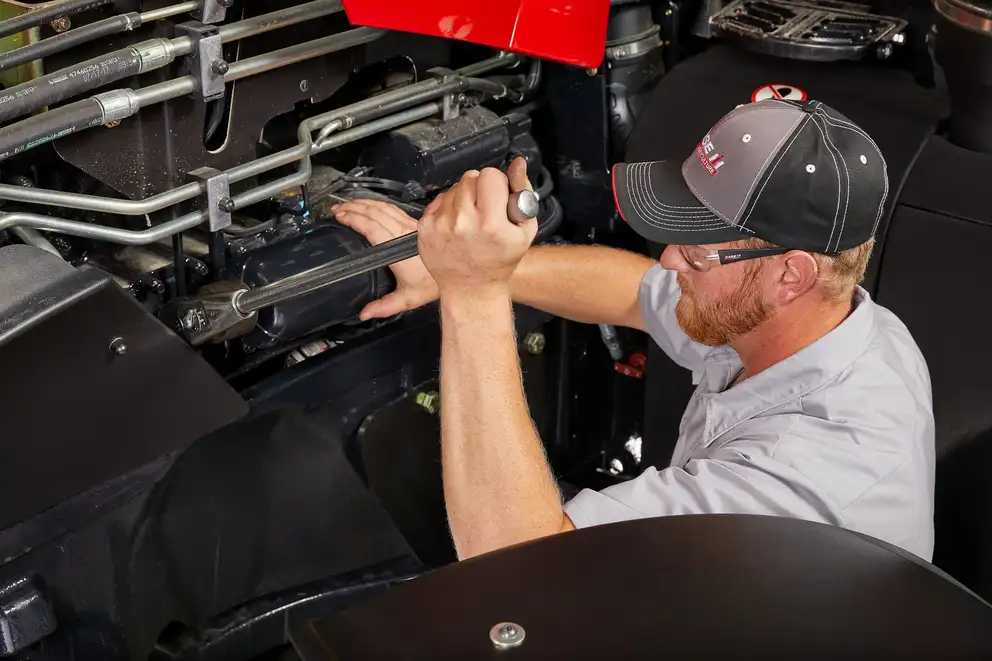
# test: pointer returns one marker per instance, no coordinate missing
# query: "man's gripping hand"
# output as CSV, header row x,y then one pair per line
x,y
466,240
380,222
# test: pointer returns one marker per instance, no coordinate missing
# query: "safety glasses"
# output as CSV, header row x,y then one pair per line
x,y
703,259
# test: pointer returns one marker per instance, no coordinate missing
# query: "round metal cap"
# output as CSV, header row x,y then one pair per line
x,y
506,635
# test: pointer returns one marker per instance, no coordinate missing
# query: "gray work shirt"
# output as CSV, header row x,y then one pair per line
x,y
841,432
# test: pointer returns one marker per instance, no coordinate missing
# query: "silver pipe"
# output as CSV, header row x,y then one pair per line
x,y
383,103
504,59
250,27
166,12
34,238
305,51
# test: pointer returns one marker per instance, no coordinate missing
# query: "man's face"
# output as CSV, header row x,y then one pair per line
x,y
719,305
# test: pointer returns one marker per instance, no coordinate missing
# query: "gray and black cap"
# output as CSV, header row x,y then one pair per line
x,y
799,175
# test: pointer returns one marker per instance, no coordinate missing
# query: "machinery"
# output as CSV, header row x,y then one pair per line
x,y
203,446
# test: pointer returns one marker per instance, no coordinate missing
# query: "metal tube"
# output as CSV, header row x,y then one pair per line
x,y
34,238
305,51
166,12
250,27
504,59
367,108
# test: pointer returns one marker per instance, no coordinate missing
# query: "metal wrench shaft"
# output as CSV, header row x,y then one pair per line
x,y
521,207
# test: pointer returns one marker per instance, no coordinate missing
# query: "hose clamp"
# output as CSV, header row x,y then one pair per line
x,y
206,61
117,105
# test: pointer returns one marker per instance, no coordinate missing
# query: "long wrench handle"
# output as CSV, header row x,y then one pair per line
x,y
521,207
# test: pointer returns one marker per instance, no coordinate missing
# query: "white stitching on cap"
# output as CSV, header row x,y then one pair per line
x,y
754,183
833,227
638,184
847,174
781,154
662,211
885,171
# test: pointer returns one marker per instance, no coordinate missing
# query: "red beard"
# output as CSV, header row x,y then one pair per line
x,y
720,323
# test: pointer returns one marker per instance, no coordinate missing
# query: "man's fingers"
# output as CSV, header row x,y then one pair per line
x,y
387,306
493,195
517,174
375,230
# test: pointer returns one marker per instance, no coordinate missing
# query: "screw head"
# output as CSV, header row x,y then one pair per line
x,y
117,346
62,24
220,67
226,204
113,124
191,321
534,343
304,85
506,635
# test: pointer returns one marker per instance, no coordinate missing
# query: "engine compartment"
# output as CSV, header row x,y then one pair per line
x,y
200,475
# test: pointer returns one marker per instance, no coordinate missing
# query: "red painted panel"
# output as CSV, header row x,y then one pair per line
x,y
570,31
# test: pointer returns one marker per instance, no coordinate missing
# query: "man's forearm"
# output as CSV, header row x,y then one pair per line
x,y
498,487
589,284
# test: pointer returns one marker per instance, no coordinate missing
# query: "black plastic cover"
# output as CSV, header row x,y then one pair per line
x,y
680,587
77,412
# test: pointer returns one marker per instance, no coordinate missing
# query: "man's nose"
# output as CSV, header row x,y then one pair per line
x,y
673,260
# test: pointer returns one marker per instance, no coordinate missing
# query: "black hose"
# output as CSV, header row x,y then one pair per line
x,y
64,83
36,17
546,185
49,126
494,89
550,219
67,40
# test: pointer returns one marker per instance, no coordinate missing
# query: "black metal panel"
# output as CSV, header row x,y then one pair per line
x,y
701,587
77,412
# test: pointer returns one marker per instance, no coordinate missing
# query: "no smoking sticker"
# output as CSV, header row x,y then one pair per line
x,y
779,91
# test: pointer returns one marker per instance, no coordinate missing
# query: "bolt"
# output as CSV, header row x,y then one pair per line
x,y
668,12
899,38
117,346
225,3
506,635
534,343
592,71
62,24
220,67
616,467
884,51
430,401
191,321
114,124
226,204
304,85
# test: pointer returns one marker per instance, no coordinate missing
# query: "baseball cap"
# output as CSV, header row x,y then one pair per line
x,y
797,174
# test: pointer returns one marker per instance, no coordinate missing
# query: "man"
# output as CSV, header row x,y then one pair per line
x,y
813,402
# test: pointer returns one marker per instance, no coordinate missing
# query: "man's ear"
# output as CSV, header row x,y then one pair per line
x,y
799,274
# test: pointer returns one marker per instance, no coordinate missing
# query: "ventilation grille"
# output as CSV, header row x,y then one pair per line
x,y
820,31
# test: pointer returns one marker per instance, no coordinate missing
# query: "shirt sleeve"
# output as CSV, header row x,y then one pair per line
x,y
658,296
724,483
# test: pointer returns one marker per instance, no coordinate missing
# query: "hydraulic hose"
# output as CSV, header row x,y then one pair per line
x,y
36,17
78,79
66,40
86,34
54,124
146,56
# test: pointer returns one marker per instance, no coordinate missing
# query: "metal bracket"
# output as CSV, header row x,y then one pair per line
x,y
451,103
212,11
206,61
217,199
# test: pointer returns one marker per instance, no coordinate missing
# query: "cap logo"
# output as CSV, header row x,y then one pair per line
x,y
709,156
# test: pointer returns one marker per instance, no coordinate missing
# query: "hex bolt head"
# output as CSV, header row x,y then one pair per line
x,y
117,346
506,635
220,67
226,204
63,24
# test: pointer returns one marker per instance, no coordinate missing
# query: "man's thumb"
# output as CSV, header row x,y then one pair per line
x,y
517,174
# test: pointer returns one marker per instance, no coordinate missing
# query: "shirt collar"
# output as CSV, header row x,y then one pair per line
x,y
801,373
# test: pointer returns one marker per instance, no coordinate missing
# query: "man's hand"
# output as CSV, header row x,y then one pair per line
x,y
380,222
466,240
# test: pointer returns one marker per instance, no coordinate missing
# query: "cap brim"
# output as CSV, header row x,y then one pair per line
x,y
655,201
